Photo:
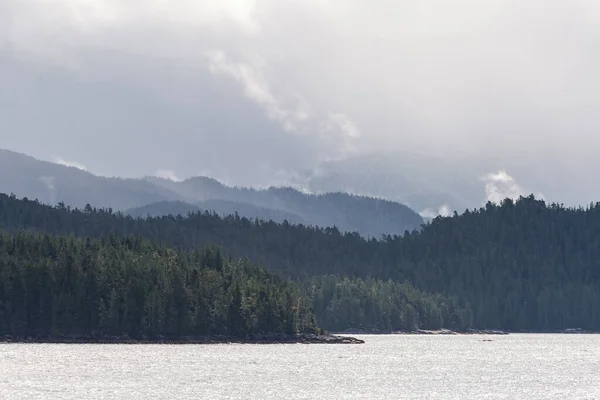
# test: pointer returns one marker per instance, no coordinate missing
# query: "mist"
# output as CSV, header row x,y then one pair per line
x,y
257,92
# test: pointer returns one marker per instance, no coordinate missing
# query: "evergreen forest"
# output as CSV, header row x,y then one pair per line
x,y
520,265
66,286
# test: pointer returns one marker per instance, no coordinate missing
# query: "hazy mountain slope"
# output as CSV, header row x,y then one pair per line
x,y
221,207
51,183
432,185
227,207
368,216
196,189
162,208
418,181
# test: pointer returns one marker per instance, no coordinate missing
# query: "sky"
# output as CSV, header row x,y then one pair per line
x,y
255,92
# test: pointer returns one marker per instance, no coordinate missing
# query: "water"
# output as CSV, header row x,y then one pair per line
x,y
385,367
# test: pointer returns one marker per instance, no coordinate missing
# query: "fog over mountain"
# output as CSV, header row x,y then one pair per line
x,y
431,185
490,99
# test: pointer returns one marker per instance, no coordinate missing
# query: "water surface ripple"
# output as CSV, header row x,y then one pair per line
x,y
385,367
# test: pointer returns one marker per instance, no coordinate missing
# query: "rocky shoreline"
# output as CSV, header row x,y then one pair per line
x,y
210,339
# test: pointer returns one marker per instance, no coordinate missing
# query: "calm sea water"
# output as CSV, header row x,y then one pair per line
x,y
385,367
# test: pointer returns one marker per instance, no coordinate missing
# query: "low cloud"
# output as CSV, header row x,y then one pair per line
x,y
500,186
49,181
67,163
167,174
443,211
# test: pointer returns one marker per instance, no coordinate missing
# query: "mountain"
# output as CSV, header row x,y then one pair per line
x,y
366,215
432,185
52,183
173,208
221,207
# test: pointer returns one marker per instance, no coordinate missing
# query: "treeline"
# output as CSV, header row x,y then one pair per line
x,y
238,236
382,306
53,286
296,251
522,265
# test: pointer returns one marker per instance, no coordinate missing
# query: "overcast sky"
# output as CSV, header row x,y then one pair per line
x,y
252,92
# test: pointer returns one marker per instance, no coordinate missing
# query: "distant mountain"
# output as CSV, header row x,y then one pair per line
x,y
221,207
52,183
163,208
436,185
366,215
426,184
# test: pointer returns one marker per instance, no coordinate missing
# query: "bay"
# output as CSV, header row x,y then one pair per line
x,y
516,366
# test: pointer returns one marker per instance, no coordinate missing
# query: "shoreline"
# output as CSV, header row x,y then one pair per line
x,y
444,332
208,339
451,332
426,332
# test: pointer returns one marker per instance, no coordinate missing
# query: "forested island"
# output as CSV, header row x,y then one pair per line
x,y
521,266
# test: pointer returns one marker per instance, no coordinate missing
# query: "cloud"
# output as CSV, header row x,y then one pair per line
x,y
301,82
50,182
344,124
500,186
256,88
443,211
66,163
288,107
167,174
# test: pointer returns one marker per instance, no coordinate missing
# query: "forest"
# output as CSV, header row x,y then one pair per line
x,y
66,286
373,305
519,266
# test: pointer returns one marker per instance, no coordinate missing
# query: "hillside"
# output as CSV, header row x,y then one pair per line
x,y
349,213
521,265
62,286
293,251
52,183
221,207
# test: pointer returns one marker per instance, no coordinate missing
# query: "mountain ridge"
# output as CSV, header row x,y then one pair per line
x,y
51,183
